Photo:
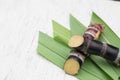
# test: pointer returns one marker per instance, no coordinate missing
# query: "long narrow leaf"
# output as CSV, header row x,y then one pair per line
x,y
79,25
85,67
57,53
58,30
76,24
60,49
59,61
108,34
109,70
52,55
111,37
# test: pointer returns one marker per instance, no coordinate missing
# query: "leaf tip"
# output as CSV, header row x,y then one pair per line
x,y
94,14
40,33
72,17
54,23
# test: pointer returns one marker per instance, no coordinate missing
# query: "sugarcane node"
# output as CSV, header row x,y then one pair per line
x,y
117,61
98,26
76,41
118,65
74,62
97,35
78,55
93,32
71,66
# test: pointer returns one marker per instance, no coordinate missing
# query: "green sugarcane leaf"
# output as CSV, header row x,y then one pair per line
x,y
76,29
95,69
108,70
62,35
52,54
58,30
112,38
51,43
75,22
107,34
59,61
85,67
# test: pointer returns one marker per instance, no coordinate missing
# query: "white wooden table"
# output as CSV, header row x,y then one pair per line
x,y
20,21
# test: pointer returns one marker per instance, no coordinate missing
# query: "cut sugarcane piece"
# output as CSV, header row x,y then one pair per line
x,y
71,66
105,50
53,55
75,25
74,57
76,41
59,36
106,37
59,61
93,31
74,62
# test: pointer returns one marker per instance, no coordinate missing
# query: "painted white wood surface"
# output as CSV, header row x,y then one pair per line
x,y
20,21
